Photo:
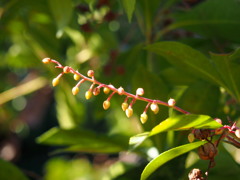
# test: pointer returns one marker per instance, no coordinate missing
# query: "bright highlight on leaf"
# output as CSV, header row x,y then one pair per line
x,y
167,156
185,122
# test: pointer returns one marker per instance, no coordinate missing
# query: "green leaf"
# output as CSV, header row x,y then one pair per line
x,y
229,71
216,19
80,140
62,13
200,98
129,6
188,59
173,76
10,171
185,122
167,156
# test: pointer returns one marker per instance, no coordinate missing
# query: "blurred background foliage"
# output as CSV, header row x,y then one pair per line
x,y
77,139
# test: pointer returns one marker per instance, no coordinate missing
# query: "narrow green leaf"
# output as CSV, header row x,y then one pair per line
x,y
185,122
62,13
188,59
129,6
81,140
92,148
167,156
10,171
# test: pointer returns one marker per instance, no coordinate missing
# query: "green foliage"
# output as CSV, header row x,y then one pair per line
x,y
167,156
215,70
129,7
213,19
10,171
79,140
185,122
188,51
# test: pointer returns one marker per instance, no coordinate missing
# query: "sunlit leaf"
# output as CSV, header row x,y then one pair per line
x,y
185,122
167,156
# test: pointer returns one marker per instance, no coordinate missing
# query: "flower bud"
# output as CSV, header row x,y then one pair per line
x,y
171,102
154,108
55,81
124,106
218,131
46,60
106,104
237,133
218,120
191,137
75,90
66,69
129,112
207,151
143,117
76,77
90,73
106,90
120,91
140,91
96,91
88,94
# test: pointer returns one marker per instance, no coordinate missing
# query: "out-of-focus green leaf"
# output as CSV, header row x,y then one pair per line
x,y
62,13
22,89
185,122
173,76
200,98
63,169
229,71
9,171
187,59
80,140
129,6
214,19
69,110
167,156
154,88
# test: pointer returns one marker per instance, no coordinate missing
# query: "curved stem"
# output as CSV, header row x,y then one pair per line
x,y
115,90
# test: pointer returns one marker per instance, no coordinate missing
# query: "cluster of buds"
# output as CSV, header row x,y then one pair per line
x,y
209,150
206,152
95,89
